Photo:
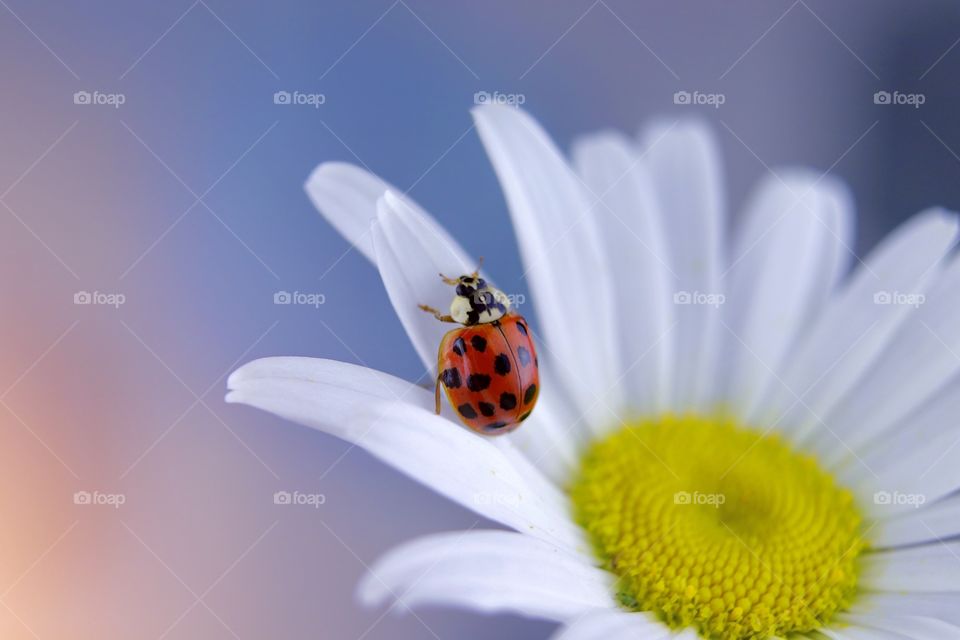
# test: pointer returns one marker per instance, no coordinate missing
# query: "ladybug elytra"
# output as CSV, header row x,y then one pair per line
x,y
488,366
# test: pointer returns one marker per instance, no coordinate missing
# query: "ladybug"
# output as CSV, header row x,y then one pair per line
x,y
488,366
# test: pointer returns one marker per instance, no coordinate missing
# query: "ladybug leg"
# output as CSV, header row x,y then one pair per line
x,y
437,396
436,314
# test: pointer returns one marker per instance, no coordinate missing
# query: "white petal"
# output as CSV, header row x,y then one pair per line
x,y
569,275
532,469
913,627
933,568
410,260
918,458
684,166
921,357
776,278
941,606
548,438
852,331
614,625
629,221
916,526
356,384
839,253
491,571
860,633
347,197
394,421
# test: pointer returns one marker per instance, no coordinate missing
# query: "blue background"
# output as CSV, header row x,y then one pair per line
x,y
129,400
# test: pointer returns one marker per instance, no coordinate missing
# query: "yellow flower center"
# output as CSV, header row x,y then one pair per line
x,y
711,525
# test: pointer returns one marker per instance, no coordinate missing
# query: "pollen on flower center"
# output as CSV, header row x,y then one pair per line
x,y
711,525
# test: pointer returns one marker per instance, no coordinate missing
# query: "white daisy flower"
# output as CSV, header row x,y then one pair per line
x,y
735,437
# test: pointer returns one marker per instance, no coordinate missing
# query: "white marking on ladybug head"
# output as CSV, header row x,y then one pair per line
x,y
476,302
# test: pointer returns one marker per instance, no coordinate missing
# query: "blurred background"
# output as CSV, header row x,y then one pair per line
x,y
151,207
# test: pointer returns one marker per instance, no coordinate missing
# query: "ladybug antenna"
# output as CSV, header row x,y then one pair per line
x,y
476,272
449,281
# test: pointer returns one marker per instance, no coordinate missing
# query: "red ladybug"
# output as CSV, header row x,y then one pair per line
x,y
489,365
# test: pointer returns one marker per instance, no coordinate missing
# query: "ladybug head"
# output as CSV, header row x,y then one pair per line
x,y
475,301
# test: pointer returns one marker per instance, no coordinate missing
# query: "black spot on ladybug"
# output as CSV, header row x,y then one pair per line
x,y
479,343
487,409
529,394
478,381
525,416
507,401
522,328
451,378
523,356
536,361
496,426
467,411
501,364
459,346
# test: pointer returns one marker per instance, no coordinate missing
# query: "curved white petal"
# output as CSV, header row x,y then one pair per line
x,y
555,224
684,167
356,385
347,197
933,568
777,277
839,254
629,221
492,571
547,438
941,606
914,464
410,260
614,624
852,331
923,355
860,633
913,627
931,524
394,421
